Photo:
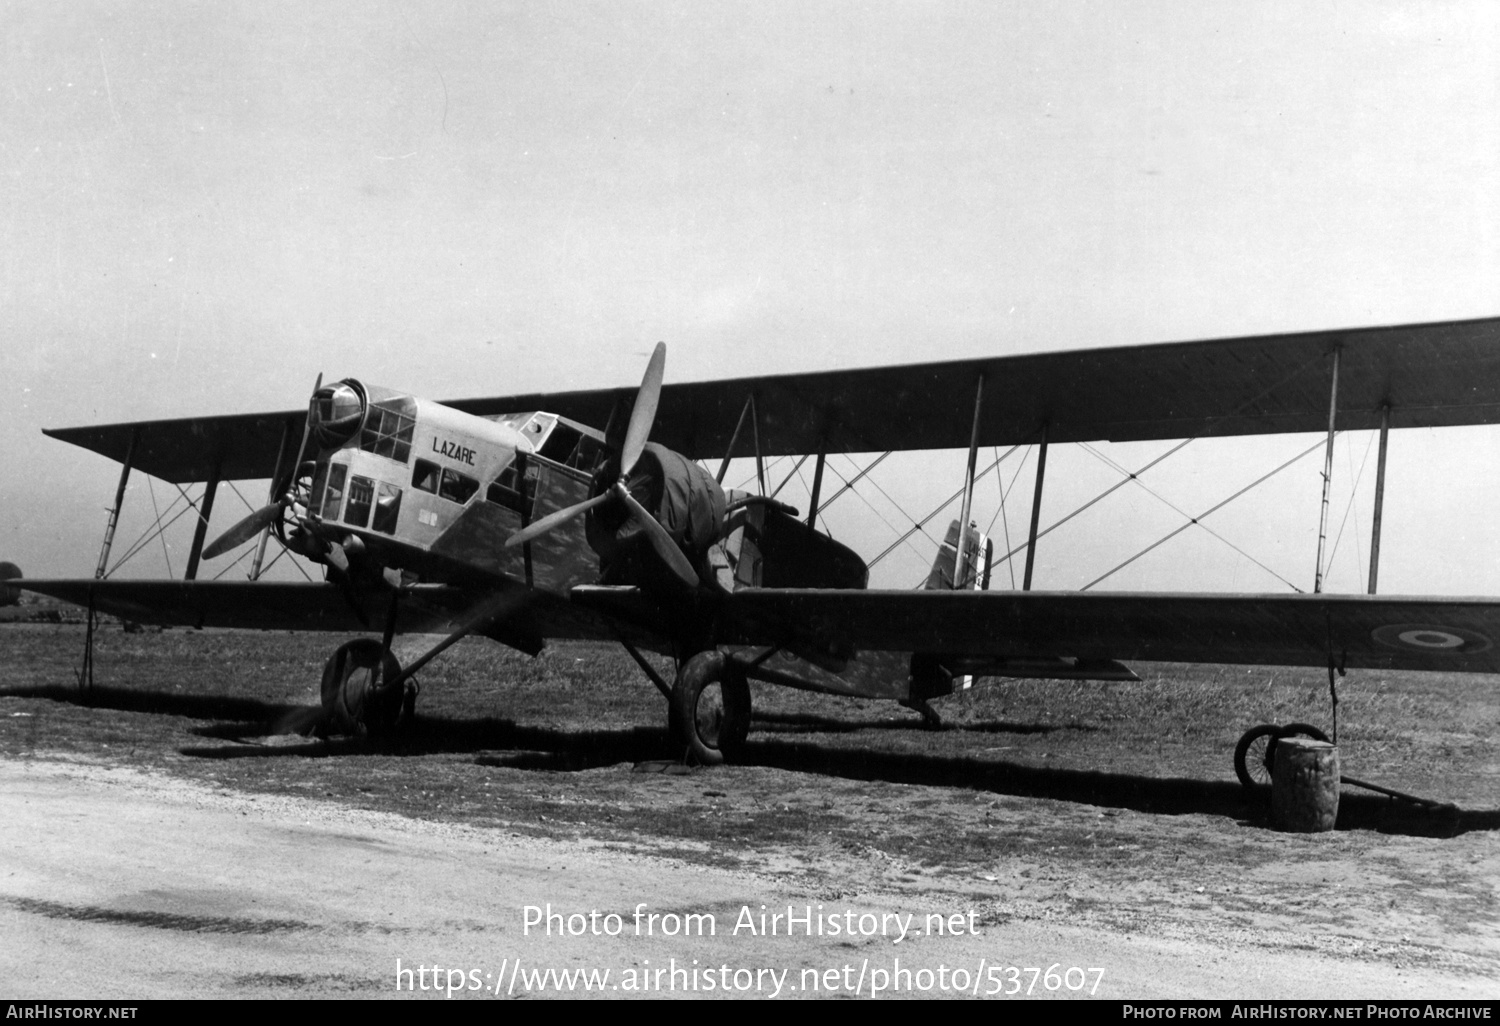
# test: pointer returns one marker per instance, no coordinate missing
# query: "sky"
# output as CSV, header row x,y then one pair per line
x,y
207,205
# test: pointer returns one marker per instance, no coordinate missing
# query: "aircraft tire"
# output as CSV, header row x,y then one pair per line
x,y
354,699
1256,751
711,706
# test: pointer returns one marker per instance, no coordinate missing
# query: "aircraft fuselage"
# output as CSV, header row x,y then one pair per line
x,y
423,487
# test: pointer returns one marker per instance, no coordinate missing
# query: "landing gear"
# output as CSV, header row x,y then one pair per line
x,y
711,708
930,718
1256,753
356,698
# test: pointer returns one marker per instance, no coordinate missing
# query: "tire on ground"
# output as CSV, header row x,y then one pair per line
x,y
711,707
356,698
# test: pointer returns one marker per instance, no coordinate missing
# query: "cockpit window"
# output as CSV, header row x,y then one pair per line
x,y
560,444
388,429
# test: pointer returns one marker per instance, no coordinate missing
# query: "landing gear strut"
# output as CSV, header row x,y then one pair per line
x,y
711,707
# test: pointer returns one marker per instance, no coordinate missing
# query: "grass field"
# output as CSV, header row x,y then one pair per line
x,y
190,700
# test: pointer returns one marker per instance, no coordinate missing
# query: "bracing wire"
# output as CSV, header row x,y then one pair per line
x,y
1353,493
941,506
1205,432
1212,509
1104,458
871,506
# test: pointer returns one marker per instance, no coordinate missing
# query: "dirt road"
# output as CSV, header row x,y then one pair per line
x,y
119,883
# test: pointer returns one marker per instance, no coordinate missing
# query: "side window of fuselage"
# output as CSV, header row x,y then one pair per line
x,y
443,481
387,508
334,496
458,487
425,476
361,495
515,488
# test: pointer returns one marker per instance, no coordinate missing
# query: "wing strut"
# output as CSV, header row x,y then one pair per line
x,y
1333,408
961,556
1385,430
210,489
1036,510
114,513
817,488
760,463
734,440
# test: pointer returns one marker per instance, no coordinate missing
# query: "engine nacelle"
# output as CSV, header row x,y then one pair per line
x,y
682,496
337,411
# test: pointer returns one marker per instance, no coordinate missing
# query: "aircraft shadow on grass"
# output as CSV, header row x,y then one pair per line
x,y
812,723
244,722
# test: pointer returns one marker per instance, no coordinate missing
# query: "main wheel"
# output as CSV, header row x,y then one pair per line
x,y
711,703
1256,753
356,697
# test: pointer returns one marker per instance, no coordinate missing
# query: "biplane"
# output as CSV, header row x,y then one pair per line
x,y
594,515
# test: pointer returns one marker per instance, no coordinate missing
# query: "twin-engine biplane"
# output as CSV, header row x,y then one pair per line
x,y
515,519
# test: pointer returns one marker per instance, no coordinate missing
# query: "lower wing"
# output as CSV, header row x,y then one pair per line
x,y
1376,631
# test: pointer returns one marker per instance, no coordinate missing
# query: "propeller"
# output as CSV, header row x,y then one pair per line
x,y
243,531
264,517
636,434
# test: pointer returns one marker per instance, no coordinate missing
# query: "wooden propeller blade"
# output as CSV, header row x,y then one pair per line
x,y
306,427
534,531
243,531
644,414
661,541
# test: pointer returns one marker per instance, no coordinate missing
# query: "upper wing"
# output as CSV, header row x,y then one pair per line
x,y
1455,634
1431,375
186,449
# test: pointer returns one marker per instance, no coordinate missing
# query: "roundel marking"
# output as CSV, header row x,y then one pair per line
x,y
1433,638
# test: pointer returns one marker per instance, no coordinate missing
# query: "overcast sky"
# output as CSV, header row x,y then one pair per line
x,y
207,205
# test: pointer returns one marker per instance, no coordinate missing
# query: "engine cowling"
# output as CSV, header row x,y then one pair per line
x,y
682,497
